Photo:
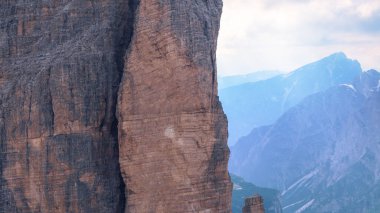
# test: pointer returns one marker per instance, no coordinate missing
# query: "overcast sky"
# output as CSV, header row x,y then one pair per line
x,y
285,34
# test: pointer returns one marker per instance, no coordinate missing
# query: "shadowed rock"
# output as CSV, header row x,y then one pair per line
x,y
61,68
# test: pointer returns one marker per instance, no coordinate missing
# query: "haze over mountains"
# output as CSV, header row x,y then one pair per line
x,y
229,81
260,103
323,153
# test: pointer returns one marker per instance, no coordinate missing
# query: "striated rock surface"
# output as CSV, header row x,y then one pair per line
x,y
254,204
62,65
172,130
60,68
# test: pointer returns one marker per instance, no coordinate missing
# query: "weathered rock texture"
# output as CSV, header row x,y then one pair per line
x,y
61,65
254,204
242,190
172,129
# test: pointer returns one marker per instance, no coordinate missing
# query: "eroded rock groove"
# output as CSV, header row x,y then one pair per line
x,y
111,106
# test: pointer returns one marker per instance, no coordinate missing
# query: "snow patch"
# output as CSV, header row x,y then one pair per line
x,y
237,187
300,181
304,207
287,93
350,86
290,205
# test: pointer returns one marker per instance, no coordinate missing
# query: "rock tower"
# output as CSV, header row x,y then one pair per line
x,y
111,106
254,204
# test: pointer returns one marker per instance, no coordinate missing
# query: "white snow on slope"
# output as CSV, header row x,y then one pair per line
x,y
349,86
290,205
304,207
300,181
237,187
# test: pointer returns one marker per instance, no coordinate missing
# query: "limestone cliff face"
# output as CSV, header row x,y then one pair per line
x,y
58,86
62,66
254,204
172,130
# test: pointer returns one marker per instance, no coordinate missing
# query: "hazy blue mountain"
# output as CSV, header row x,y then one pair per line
x,y
262,103
323,154
243,189
229,81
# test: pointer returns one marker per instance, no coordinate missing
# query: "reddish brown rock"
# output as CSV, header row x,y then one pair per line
x,y
172,130
254,204
59,73
61,66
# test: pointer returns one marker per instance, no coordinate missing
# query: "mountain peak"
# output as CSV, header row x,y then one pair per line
x,y
372,72
337,62
338,55
336,58
302,156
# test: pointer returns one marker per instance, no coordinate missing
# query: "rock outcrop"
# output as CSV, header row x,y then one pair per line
x,y
242,190
64,67
60,68
172,130
254,204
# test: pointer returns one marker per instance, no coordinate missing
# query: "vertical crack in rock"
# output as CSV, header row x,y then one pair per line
x,y
61,68
94,90
50,102
172,129
122,47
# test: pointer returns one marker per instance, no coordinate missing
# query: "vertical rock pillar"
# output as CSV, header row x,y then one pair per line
x,y
172,129
254,204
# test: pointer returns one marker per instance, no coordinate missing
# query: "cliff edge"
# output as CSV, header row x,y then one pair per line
x,y
111,106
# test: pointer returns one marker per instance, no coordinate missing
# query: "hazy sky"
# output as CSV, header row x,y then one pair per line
x,y
285,34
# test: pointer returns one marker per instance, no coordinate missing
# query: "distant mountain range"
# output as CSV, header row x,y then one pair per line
x,y
243,189
229,81
251,105
323,153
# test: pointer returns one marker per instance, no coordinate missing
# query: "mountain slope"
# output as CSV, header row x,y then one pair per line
x,y
263,102
324,153
243,189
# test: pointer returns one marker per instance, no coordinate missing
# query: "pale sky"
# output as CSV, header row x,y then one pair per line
x,y
286,34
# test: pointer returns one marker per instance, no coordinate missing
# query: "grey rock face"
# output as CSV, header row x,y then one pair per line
x,y
61,68
323,153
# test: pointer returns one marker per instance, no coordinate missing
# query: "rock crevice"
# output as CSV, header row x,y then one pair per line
x,y
111,106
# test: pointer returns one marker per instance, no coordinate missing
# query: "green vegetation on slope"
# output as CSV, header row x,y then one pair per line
x,y
243,189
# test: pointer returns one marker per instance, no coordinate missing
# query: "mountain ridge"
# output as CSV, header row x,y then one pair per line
x,y
243,190
319,147
263,102
234,80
